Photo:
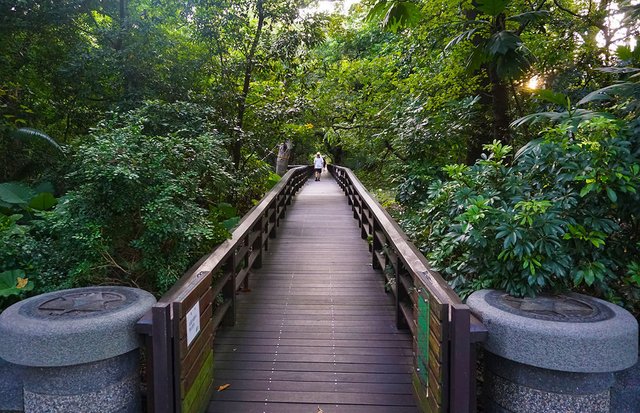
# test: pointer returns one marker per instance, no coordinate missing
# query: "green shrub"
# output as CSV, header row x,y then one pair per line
x,y
563,215
142,205
143,202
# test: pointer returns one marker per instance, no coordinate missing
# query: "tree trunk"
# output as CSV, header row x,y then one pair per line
x,y
284,151
248,70
480,131
120,47
500,109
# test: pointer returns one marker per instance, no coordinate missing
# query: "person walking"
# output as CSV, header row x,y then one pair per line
x,y
318,164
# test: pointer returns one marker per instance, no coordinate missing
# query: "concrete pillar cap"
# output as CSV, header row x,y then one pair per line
x,y
75,326
572,332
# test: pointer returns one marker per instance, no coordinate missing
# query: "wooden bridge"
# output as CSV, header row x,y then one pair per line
x,y
306,309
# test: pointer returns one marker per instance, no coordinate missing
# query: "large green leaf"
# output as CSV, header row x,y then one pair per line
x,y
606,93
548,95
226,210
44,186
393,15
492,7
514,63
503,42
15,193
14,282
462,37
43,201
530,16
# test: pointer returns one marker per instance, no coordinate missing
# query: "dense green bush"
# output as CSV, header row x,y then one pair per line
x,y
563,215
143,205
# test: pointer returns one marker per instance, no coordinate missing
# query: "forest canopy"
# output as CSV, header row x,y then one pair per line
x,y
504,135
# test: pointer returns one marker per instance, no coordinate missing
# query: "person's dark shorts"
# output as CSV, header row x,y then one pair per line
x,y
319,170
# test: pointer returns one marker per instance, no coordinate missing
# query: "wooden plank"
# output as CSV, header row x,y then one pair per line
x,y
317,326
195,397
205,315
435,387
242,274
196,359
460,391
199,290
407,283
163,395
407,312
219,284
219,313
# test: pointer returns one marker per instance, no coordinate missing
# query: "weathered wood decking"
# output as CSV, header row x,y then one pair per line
x,y
317,329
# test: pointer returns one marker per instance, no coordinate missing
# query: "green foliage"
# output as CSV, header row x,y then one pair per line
x,y
562,216
14,282
140,206
393,15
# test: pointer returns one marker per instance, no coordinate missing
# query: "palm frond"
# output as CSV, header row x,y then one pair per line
x,y
34,134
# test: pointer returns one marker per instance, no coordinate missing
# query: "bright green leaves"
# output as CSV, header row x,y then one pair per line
x,y
527,211
395,14
589,273
492,7
530,17
579,232
524,227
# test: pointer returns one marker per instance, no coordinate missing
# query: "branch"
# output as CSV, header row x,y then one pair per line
x,y
525,24
343,127
390,148
585,17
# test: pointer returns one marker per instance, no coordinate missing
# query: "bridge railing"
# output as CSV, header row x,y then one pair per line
x,y
443,329
179,330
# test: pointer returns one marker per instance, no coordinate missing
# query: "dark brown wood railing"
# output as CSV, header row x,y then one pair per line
x,y
179,330
443,329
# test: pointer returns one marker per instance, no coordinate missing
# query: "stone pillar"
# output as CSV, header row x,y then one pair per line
x,y
553,354
10,388
77,349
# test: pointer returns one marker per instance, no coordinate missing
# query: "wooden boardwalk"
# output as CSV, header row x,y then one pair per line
x,y
317,330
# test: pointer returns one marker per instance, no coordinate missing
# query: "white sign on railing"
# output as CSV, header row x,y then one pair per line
x,y
193,323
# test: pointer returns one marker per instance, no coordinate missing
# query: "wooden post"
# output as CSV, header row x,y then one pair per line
x,y
258,243
460,356
163,390
375,245
229,291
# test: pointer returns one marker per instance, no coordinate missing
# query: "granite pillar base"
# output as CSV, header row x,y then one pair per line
x,y
77,349
10,388
625,394
107,386
512,387
565,353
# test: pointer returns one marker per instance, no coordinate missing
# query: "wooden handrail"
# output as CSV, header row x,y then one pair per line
x,y
412,258
179,370
449,329
213,261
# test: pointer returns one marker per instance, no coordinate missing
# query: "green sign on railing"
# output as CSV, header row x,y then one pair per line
x,y
422,338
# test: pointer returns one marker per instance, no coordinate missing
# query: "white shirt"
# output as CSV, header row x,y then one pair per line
x,y
318,162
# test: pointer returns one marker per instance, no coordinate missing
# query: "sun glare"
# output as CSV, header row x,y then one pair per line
x,y
331,6
534,82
